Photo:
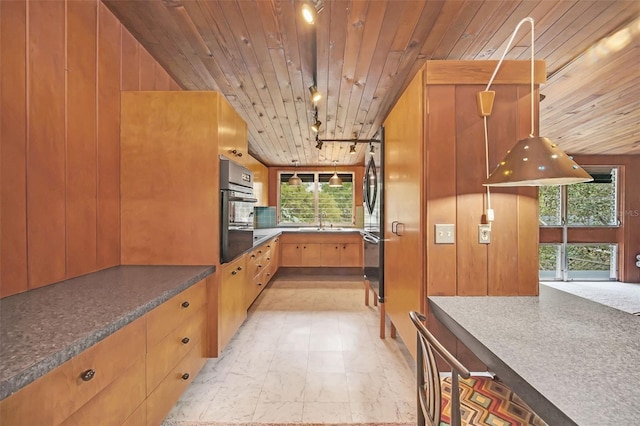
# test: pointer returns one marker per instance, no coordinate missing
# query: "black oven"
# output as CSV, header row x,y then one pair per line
x,y
236,210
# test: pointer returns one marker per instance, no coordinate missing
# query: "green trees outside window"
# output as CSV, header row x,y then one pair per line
x,y
314,201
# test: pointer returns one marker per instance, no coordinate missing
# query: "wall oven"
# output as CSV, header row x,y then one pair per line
x,y
236,210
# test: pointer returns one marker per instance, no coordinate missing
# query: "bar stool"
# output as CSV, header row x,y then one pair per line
x,y
479,400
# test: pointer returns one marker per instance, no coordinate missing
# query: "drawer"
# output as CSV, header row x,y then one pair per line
x,y
166,317
163,356
164,397
116,402
57,395
138,417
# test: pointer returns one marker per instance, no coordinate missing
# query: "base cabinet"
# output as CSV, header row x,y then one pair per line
x,y
313,249
262,264
232,309
132,377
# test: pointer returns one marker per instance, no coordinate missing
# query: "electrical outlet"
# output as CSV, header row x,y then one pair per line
x,y
445,233
484,234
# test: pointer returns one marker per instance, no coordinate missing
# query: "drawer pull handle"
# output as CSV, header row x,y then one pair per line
x,y
185,376
259,283
259,251
253,255
185,304
268,246
268,259
185,340
88,375
239,268
234,272
259,266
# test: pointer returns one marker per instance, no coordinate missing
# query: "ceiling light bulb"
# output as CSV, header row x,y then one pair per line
x,y
352,149
315,95
308,13
316,126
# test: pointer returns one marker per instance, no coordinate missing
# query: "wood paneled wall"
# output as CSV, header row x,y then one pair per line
x,y
63,64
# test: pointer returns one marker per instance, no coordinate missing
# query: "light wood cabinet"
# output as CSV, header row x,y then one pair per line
x,y
132,377
321,249
262,264
232,309
95,377
169,177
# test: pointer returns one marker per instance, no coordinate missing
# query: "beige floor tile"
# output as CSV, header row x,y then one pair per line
x,y
309,351
326,412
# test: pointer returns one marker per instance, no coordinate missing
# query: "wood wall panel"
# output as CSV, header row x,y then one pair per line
x,y
441,271
81,144
471,200
130,61
527,202
13,149
108,132
147,71
60,105
46,143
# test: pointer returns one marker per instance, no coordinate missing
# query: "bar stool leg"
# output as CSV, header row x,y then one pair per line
x,y
367,288
382,321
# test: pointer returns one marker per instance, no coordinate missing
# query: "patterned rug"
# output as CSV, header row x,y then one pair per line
x,y
484,401
195,423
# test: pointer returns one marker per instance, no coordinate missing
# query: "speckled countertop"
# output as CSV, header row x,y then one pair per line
x,y
573,360
42,328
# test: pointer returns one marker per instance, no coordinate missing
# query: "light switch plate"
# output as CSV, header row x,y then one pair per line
x,y
484,234
445,233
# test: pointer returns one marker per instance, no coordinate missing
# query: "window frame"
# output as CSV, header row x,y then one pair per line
x,y
316,197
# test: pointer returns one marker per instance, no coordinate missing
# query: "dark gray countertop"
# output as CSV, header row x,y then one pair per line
x,y
42,328
573,360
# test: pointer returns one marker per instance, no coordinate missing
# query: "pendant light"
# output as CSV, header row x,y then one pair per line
x,y
295,179
335,180
534,161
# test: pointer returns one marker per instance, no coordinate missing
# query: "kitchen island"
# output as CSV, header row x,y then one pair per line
x,y
574,361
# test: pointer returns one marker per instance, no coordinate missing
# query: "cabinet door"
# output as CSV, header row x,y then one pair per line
x,y
311,254
403,249
291,254
232,309
350,255
330,254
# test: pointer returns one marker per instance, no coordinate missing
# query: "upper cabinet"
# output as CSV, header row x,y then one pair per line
x,y
169,171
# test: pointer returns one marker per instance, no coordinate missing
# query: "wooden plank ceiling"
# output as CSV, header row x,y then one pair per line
x,y
260,55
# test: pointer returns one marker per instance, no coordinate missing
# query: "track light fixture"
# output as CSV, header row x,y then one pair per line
x,y
316,123
315,95
372,149
309,13
352,149
318,143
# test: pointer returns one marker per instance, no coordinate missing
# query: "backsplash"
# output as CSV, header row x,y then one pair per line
x,y
264,217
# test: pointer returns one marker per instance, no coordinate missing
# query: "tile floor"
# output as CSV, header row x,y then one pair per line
x,y
309,352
